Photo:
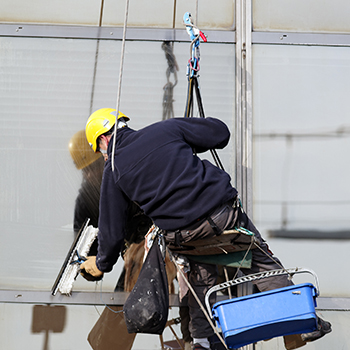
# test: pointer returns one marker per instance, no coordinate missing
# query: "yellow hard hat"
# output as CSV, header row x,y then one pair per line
x,y
99,123
80,150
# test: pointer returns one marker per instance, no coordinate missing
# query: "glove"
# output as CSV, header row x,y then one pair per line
x,y
89,270
89,277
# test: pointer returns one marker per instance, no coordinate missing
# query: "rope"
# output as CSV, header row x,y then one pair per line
x,y
96,60
120,79
245,256
253,242
109,308
168,110
274,260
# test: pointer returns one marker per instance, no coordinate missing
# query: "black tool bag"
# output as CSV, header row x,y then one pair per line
x,y
146,309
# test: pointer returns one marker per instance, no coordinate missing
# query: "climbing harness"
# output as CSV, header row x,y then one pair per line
x,y
120,77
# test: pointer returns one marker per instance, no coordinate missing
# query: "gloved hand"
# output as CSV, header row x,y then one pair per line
x,y
89,270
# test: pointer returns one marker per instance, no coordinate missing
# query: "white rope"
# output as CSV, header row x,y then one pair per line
x,y
245,256
120,79
109,308
197,299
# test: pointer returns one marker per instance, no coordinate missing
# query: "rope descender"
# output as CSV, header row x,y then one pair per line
x,y
192,74
194,34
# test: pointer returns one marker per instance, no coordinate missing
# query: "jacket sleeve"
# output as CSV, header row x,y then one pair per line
x,y
112,218
204,134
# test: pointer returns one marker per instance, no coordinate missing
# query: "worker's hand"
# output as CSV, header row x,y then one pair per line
x,y
89,269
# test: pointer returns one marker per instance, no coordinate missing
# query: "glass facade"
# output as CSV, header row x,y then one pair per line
x,y
300,134
301,131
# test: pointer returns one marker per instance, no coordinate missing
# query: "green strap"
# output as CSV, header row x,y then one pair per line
x,y
244,230
234,259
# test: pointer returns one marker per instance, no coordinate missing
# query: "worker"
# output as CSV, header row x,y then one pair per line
x,y
87,202
188,198
91,164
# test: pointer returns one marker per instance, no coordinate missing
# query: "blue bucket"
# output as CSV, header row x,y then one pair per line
x,y
251,318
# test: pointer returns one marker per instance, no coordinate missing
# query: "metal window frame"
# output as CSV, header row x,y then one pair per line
x,y
244,114
109,33
250,37
301,39
118,299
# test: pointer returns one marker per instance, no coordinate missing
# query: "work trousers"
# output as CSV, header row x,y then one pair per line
x,y
204,276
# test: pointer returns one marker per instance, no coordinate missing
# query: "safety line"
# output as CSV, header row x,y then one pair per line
x,y
101,13
274,260
245,256
120,79
110,309
270,256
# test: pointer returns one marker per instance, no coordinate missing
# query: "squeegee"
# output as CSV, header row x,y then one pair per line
x,y
76,256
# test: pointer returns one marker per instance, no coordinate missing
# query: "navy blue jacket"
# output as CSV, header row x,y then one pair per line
x,y
156,168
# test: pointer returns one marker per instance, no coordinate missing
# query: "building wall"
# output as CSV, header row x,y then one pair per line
x,y
59,63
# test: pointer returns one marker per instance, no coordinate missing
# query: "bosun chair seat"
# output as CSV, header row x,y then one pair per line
x,y
229,241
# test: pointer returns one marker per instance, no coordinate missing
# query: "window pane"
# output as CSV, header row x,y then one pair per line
x,y
301,16
209,15
155,13
301,131
78,12
48,89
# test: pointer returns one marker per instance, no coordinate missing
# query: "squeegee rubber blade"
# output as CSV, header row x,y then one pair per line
x,y
69,256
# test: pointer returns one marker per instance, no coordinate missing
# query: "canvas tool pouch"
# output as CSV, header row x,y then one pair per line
x,y
110,331
293,341
146,309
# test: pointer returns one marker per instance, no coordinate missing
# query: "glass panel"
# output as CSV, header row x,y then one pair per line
x,y
156,13
208,15
57,327
45,94
301,16
48,89
301,131
78,12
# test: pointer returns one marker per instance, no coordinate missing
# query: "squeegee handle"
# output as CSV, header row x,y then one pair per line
x,y
79,260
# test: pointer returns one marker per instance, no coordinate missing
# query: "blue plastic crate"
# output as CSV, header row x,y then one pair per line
x,y
251,318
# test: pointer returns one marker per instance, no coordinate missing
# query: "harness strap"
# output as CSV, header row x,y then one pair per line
x,y
215,227
177,238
